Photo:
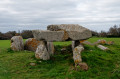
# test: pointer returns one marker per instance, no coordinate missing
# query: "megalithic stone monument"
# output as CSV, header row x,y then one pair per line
x,y
64,32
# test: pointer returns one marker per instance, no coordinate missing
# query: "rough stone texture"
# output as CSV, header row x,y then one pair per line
x,y
31,44
83,66
49,35
102,41
103,47
77,54
63,32
50,47
42,53
17,43
110,42
74,31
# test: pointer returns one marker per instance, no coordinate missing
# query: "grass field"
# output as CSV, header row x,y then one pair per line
x,y
102,64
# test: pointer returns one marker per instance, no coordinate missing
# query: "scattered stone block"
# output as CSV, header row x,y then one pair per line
x,y
110,42
102,41
103,47
17,43
42,53
31,44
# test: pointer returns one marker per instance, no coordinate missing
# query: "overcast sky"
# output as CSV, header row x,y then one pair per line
x,y
37,14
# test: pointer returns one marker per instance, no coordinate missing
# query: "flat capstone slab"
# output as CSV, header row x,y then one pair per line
x,y
63,32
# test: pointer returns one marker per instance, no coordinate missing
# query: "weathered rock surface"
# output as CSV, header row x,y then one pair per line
x,y
77,54
74,31
103,47
110,42
63,32
83,66
50,47
102,41
42,53
31,44
49,35
17,43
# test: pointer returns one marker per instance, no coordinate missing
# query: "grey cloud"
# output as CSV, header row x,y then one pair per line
x,y
90,13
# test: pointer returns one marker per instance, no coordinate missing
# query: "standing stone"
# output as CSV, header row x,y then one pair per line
x,y
75,43
77,54
31,44
50,47
17,43
42,53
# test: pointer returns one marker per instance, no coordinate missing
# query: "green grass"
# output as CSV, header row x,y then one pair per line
x,y
102,64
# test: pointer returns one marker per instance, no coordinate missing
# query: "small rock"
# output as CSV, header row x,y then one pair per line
x,y
39,61
83,66
110,42
91,50
32,64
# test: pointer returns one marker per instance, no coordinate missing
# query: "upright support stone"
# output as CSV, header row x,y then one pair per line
x,y
17,43
50,47
77,54
75,43
41,52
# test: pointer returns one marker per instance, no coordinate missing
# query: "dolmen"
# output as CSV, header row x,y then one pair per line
x,y
42,43
62,32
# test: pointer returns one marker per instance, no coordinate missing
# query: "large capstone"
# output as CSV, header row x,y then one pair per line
x,y
17,43
31,44
63,32
49,35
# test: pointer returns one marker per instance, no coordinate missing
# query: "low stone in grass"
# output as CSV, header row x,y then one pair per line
x,y
110,42
83,66
17,43
32,64
103,47
102,41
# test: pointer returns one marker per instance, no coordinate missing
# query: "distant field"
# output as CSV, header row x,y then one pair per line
x,y
102,64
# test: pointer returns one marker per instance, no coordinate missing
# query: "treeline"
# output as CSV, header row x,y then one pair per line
x,y
25,34
112,32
